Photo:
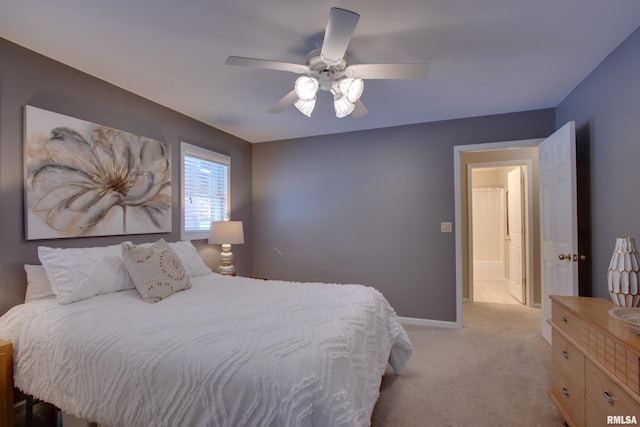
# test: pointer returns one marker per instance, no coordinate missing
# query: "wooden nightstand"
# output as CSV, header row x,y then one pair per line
x,y
6,384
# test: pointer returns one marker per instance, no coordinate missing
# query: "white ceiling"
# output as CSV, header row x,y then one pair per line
x,y
485,56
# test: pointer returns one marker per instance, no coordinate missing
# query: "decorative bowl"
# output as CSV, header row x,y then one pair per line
x,y
629,315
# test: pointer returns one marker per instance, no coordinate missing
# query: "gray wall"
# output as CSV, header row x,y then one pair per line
x,y
365,207
29,78
606,109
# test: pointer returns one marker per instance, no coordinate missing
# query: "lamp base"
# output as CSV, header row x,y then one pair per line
x,y
226,267
227,270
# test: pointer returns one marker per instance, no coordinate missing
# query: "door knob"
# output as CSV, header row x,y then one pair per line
x,y
563,257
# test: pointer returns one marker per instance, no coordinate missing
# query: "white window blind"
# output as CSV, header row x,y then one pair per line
x,y
205,190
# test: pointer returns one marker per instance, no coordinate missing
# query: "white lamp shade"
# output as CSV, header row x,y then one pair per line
x,y
305,107
230,232
342,106
306,88
351,88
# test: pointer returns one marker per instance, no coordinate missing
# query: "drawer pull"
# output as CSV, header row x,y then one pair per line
x,y
565,391
565,354
608,398
564,319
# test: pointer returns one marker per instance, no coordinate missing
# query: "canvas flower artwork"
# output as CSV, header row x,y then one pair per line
x,y
84,179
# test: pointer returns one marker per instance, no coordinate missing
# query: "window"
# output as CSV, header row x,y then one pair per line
x,y
205,190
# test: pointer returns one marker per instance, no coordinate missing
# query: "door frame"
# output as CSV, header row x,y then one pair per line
x,y
528,193
458,150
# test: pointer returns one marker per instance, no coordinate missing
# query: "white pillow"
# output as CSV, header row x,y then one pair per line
x,y
188,254
38,285
80,273
156,270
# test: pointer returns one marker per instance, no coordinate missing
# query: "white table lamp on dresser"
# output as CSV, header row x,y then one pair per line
x,y
226,233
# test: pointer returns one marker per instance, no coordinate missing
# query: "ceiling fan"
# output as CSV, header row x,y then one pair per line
x,y
327,70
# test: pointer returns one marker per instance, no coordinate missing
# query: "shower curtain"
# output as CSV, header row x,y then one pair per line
x,y
488,216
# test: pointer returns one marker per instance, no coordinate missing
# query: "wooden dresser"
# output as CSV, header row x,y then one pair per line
x,y
595,364
6,384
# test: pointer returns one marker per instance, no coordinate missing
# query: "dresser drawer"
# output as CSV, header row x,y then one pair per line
x,y
566,321
594,417
568,395
607,396
567,361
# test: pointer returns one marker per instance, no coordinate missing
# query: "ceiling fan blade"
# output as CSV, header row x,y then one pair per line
x,y
388,71
360,110
338,34
287,100
271,65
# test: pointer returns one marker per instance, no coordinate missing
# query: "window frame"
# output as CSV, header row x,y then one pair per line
x,y
191,150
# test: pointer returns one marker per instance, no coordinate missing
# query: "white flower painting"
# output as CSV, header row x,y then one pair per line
x,y
83,179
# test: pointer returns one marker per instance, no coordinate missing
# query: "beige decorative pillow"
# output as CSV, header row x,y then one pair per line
x,y
155,270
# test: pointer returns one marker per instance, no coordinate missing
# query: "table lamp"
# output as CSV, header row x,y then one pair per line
x,y
226,233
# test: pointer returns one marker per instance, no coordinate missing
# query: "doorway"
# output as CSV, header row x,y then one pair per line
x,y
497,234
499,154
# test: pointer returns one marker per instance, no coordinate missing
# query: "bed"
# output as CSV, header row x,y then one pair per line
x,y
223,351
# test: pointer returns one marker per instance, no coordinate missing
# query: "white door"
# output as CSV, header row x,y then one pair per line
x,y
515,215
558,219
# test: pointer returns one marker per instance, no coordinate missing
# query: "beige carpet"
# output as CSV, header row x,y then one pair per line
x,y
493,372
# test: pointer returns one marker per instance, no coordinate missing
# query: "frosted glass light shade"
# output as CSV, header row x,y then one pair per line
x,y
306,87
351,88
342,106
305,107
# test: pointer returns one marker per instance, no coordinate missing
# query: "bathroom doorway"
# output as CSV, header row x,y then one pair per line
x,y
496,224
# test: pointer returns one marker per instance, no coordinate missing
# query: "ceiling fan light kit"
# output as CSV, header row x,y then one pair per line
x,y
305,106
342,106
351,88
306,87
327,70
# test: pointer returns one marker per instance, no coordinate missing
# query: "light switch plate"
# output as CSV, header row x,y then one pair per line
x,y
446,227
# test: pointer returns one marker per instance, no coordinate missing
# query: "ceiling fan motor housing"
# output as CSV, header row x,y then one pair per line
x,y
325,73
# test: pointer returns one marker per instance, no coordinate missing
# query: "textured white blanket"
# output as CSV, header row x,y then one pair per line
x,y
228,352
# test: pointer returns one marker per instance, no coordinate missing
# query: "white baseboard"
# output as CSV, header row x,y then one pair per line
x,y
428,322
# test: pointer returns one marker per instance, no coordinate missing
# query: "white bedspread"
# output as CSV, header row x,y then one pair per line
x,y
228,352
